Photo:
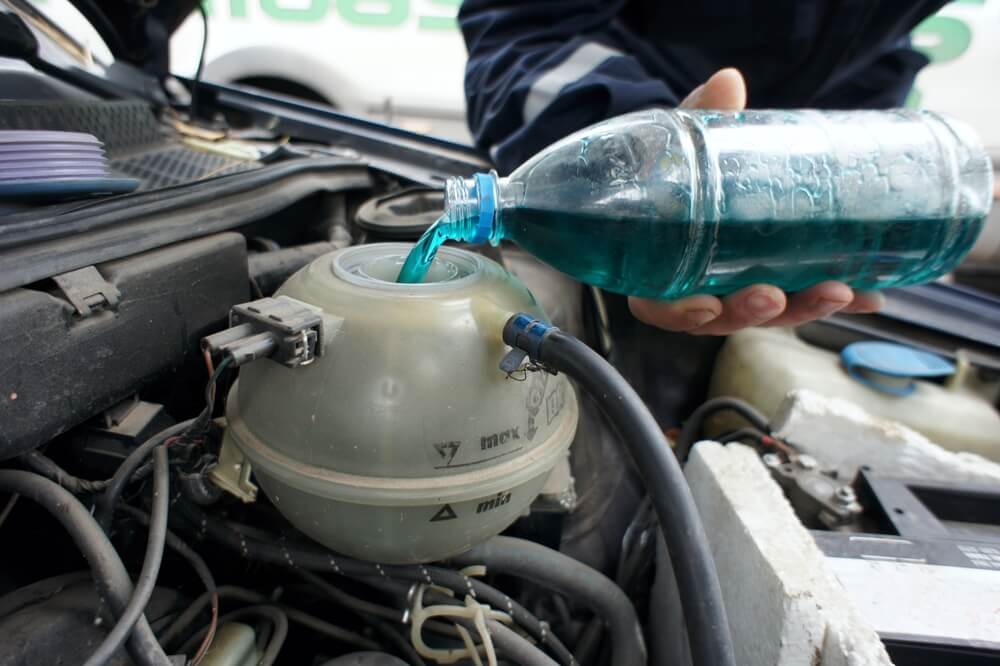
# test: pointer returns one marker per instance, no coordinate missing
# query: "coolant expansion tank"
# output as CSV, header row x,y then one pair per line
x,y
403,442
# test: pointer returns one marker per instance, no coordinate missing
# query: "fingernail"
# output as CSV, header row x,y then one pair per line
x,y
694,96
762,305
878,300
696,318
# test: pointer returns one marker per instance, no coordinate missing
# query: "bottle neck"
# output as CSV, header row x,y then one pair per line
x,y
471,208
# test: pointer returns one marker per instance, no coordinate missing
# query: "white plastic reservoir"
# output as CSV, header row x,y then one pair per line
x,y
761,365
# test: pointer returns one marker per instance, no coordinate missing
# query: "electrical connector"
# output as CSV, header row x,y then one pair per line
x,y
283,329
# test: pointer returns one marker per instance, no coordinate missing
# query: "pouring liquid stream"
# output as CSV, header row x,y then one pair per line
x,y
422,255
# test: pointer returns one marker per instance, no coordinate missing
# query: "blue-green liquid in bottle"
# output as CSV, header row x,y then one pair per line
x,y
632,256
639,256
670,204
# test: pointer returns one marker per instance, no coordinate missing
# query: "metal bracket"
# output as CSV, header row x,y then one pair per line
x,y
814,493
88,291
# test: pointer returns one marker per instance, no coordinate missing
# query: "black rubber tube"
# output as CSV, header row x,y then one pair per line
x,y
109,573
695,422
112,494
48,468
277,618
359,606
150,571
109,500
741,434
304,557
561,573
180,547
516,648
250,596
694,568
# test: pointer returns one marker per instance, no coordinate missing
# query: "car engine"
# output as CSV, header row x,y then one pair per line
x,y
228,436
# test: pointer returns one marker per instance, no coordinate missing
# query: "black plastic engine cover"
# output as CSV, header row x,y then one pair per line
x,y
58,368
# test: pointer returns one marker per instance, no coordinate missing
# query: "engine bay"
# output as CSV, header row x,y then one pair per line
x,y
229,436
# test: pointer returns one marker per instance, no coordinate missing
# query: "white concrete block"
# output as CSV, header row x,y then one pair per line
x,y
785,606
844,435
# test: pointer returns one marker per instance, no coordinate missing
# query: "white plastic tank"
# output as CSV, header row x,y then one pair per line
x,y
403,441
761,365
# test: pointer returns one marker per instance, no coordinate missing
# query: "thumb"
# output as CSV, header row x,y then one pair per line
x,y
725,90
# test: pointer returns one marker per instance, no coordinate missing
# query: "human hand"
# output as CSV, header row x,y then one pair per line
x,y
760,304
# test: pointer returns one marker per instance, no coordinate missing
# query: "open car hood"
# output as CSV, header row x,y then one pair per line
x,y
137,32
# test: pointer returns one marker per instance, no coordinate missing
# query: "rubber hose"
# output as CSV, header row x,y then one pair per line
x,y
693,425
293,614
112,494
197,563
48,468
273,614
109,573
146,582
304,557
517,648
561,573
697,580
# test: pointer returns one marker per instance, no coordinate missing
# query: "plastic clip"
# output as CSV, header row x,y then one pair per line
x,y
473,611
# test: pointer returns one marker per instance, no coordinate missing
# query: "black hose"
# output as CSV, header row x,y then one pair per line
x,y
359,606
146,582
197,563
109,573
693,425
41,464
401,642
109,500
275,615
697,580
106,503
561,573
250,596
741,434
516,648
589,643
233,536
196,82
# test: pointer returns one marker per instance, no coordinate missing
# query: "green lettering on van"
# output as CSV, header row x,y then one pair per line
x,y
390,13
315,10
952,39
441,22
952,35
238,8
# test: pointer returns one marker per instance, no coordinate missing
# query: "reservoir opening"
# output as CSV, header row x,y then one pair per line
x,y
379,265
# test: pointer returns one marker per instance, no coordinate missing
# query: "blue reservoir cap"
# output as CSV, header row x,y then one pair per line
x,y
882,366
485,185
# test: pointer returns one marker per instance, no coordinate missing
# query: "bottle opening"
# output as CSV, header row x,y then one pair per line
x,y
378,266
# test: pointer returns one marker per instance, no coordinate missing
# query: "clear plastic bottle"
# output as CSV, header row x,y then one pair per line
x,y
666,204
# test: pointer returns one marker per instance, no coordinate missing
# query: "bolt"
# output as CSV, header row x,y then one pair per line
x,y
845,495
806,462
771,459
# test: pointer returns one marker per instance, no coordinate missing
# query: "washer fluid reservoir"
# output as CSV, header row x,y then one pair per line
x,y
403,441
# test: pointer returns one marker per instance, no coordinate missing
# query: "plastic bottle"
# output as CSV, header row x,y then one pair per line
x,y
666,204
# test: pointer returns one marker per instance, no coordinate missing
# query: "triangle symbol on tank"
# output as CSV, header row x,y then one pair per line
x,y
444,513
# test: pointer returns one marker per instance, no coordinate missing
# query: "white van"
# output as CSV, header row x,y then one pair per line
x,y
398,61
402,61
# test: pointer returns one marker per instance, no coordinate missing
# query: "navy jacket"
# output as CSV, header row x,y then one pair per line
x,y
540,69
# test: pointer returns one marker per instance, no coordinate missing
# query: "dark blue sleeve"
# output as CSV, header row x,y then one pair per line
x,y
541,69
